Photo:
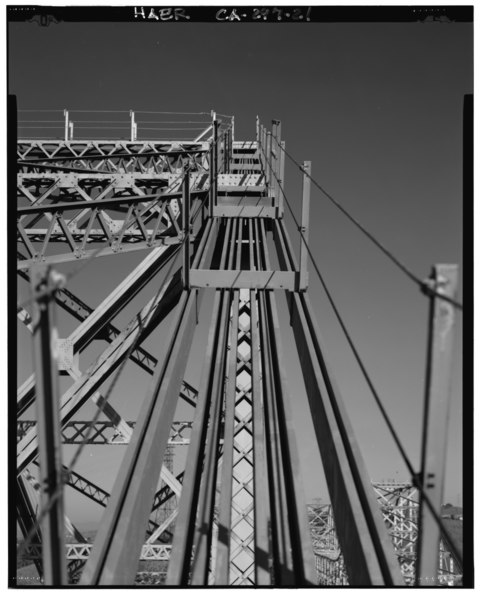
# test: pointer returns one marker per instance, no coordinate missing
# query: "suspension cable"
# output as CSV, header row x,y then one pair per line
x,y
424,286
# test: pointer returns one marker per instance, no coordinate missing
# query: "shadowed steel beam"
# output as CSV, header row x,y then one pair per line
x,y
261,492
302,565
205,514
366,546
204,421
281,543
225,501
303,559
119,540
178,573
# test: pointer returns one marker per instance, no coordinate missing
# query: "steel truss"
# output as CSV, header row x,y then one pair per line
x,y
239,512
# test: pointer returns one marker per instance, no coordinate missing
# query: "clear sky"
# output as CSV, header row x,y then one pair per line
x,y
378,110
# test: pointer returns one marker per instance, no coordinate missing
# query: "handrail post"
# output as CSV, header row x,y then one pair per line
x,y
211,179
71,130
224,157
281,177
261,146
133,127
65,113
229,153
48,427
304,229
215,159
276,149
435,421
268,160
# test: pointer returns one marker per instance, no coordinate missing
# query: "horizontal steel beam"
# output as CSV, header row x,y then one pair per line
x,y
244,211
244,279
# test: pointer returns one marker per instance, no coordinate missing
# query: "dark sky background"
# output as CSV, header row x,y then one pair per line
x,y
378,110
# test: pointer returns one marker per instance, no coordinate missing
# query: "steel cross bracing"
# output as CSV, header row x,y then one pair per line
x,y
239,513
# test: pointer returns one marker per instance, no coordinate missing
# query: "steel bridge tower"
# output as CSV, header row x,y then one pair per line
x,y
209,211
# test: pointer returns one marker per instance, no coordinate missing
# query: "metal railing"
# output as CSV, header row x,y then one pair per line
x,y
142,125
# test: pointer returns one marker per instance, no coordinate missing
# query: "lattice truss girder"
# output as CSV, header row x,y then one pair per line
x,y
117,156
107,194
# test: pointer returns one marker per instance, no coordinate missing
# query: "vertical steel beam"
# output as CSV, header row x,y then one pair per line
x,y
304,237
186,228
48,428
436,412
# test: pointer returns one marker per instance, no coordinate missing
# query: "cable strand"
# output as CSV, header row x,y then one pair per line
x,y
427,290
